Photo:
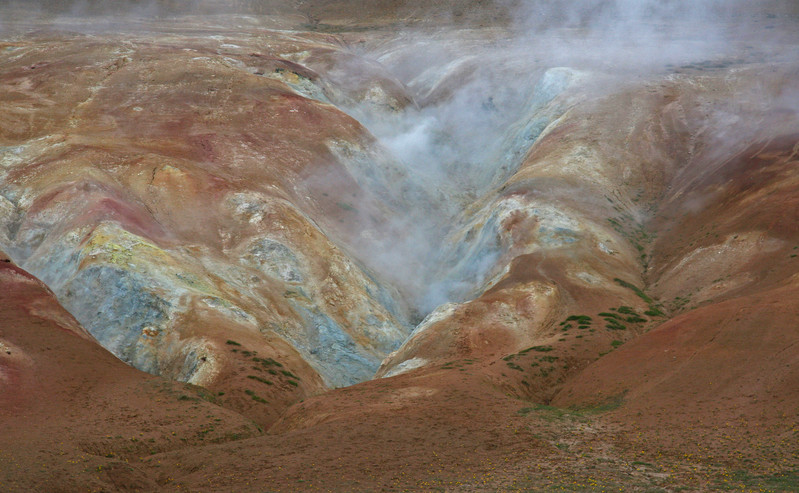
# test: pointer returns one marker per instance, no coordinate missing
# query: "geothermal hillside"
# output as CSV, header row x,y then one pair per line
x,y
327,246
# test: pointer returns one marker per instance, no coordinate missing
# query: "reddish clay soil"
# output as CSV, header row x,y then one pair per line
x,y
74,418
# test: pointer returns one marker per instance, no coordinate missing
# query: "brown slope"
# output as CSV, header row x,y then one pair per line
x,y
736,358
732,260
722,377
73,417
713,388
445,429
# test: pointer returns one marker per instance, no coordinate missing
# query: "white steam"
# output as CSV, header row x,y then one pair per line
x,y
481,98
476,100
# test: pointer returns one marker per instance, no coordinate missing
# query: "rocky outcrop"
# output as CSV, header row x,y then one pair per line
x,y
325,193
175,183
601,205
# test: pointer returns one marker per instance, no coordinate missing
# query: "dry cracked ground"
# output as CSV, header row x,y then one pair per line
x,y
326,246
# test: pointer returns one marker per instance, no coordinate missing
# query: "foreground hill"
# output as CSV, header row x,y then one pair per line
x,y
74,417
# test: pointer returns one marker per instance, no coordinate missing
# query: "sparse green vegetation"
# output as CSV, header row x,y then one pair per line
x,y
552,413
781,481
582,321
255,396
459,363
710,64
613,321
635,289
270,362
654,308
232,343
633,232
259,379
548,412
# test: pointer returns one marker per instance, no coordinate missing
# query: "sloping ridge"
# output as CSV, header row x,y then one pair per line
x,y
79,413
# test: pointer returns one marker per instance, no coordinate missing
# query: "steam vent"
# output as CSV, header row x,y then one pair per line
x,y
399,245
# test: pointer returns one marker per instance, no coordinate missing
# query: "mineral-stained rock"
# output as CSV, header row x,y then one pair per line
x,y
169,181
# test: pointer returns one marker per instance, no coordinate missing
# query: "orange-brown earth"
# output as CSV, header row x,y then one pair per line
x,y
74,416
604,252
